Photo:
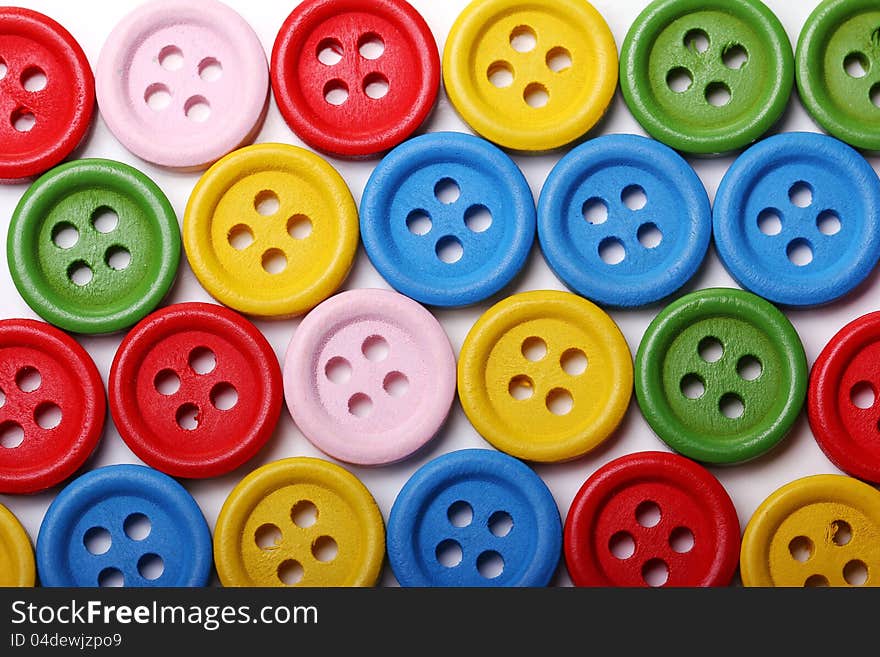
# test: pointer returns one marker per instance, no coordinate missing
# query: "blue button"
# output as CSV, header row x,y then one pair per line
x,y
124,525
797,219
624,221
474,518
447,219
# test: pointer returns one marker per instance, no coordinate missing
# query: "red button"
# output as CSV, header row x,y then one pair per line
x,y
355,77
652,519
843,402
52,406
195,390
47,93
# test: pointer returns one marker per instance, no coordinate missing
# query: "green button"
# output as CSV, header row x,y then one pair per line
x,y
838,70
707,76
93,246
721,376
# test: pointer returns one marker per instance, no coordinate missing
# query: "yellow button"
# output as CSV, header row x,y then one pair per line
x,y
271,230
16,553
817,531
530,75
299,521
545,376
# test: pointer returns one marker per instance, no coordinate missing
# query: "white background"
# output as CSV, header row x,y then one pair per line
x,y
91,21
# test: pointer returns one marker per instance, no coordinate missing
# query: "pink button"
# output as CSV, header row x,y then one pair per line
x,y
183,84
369,377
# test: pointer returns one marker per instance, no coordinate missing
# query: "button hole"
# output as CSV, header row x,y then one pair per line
x,y
449,250
28,379
650,236
478,219
634,197
267,203
841,533
693,386
11,434
448,553
338,370
770,222
376,86
534,349
375,348
574,362
735,57
97,541
396,384
166,382
48,416
490,564
197,109
447,191
117,258
855,573
681,540
325,549
679,79
268,537
622,545
65,235
330,52
655,573
560,402
299,227
559,59
290,572
801,194
304,514
800,252
111,578
105,220
857,65
697,40
336,92
523,39
33,79
501,74
521,388
240,237
210,69
749,368
828,223
460,514
202,360
801,549
23,120
224,396
157,97
648,514
188,417
274,262
595,211
79,273
151,567
360,405
371,46
732,406
710,349
419,223
171,58
718,94
536,95
500,524
612,251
